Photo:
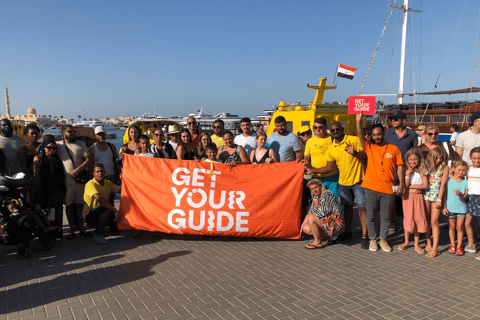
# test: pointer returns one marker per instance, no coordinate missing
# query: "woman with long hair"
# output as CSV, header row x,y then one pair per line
x,y
200,150
232,153
184,149
133,142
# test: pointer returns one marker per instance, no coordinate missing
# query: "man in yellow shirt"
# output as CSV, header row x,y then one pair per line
x,y
345,154
97,211
217,136
315,155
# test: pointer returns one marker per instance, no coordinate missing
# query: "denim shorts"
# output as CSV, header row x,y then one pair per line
x,y
453,215
347,194
330,183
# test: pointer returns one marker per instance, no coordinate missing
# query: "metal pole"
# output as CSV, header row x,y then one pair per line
x,y
402,55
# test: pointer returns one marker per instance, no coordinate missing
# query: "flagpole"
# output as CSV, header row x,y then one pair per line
x,y
336,73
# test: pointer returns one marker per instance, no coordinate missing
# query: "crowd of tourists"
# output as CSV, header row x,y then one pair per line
x,y
386,173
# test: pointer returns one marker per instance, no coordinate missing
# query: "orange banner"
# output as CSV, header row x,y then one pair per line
x,y
189,197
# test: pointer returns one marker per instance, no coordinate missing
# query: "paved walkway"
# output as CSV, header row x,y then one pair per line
x,y
175,277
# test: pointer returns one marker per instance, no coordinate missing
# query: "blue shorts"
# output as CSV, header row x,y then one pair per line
x,y
347,194
453,215
330,183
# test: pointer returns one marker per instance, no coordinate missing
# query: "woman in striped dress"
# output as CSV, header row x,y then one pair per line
x,y
324,217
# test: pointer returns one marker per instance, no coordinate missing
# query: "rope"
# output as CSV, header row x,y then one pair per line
x,y
376,49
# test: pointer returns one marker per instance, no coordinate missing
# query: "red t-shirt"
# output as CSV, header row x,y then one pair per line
x,y
382,167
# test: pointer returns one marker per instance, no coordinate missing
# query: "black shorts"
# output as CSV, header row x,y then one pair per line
x,y
94,215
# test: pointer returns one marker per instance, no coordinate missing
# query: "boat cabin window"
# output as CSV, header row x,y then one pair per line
x,y
458,119
424,119
306,123
469,119
290,126
440,118
411,119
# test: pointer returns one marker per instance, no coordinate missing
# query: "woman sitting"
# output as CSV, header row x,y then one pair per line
x,y
184,149
262,154
200,150
231,153
324,217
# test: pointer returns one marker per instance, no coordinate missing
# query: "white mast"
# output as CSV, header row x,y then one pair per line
x,y
405,10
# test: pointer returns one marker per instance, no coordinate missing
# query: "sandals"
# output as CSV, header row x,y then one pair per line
x,y
459,251
452,249
403,247
430,255
420,250
313,247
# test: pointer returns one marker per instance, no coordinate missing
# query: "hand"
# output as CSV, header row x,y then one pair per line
x,y
349,148
439,204
116,219
445,212
408,172
458,193
308,170
360,116
75,173
37,160
400,189
233,164
269,160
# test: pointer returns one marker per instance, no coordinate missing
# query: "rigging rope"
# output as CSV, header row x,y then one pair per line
x,y
376,49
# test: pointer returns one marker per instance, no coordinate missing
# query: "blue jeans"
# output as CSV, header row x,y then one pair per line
x,y
379,205
347,195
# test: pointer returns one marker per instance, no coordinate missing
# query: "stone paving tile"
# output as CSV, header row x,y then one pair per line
x,y
186,277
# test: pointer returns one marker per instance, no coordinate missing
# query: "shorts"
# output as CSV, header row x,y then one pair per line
x,y
348,193
453,215
330,183
93,216
74,194
473,205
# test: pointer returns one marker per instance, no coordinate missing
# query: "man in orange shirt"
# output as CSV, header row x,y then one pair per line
x,y
384,164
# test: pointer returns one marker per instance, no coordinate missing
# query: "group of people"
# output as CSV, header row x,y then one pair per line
x,y
385,173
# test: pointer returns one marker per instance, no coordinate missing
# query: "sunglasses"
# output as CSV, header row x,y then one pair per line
x,y
432,134
51,148
318,127
101,133
303,134
396,119
336,129
190,123
216,127
157,134
71,131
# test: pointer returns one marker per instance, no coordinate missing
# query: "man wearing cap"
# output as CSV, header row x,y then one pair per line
x,y
217,136
105,153
405,139
315,155
173,139
247,138
469,139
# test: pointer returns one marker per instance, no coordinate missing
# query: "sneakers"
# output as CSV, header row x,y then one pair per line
x,y
384,245
365,243
470,249
373,245
100,240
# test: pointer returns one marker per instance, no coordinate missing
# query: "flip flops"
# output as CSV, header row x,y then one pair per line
x,y
420,250
313,247
432,256
402,247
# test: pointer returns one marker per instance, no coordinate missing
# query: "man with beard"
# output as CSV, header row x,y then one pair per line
x,y
105,153
217,136
75,157
346,154
285,144
384,164
9,145
405,139
247,138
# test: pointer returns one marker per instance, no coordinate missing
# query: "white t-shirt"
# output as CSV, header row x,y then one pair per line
x,y
473,177
77,151
415,178
467,140
248,143
9,147
174,145
454,137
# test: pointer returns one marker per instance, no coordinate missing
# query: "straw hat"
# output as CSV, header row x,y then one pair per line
x,y
172,129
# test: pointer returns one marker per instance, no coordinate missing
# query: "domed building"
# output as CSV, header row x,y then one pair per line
x,y
32,116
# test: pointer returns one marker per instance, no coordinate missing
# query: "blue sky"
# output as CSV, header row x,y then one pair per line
x,y
123,58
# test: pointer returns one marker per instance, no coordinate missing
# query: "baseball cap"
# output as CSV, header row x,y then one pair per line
x,y
99,129
304,129
398,115
475,116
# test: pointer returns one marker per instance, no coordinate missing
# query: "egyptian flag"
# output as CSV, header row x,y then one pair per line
x,y
345,71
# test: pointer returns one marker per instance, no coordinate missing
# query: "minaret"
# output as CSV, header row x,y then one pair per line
x,y
7,105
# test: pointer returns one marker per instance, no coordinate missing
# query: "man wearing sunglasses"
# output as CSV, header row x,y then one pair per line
x,y
405,139
105,153
75,157
195,131
316,159
217,136
10,144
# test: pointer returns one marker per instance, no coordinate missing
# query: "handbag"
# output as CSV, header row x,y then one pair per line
x,y
82,177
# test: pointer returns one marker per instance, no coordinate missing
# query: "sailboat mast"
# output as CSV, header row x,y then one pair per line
x,y
405,10
402,53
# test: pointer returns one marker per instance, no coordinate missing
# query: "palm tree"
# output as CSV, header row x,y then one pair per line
x,y
79,117
71,120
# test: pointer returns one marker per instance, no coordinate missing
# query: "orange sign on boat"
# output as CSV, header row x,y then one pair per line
x,y
200,198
